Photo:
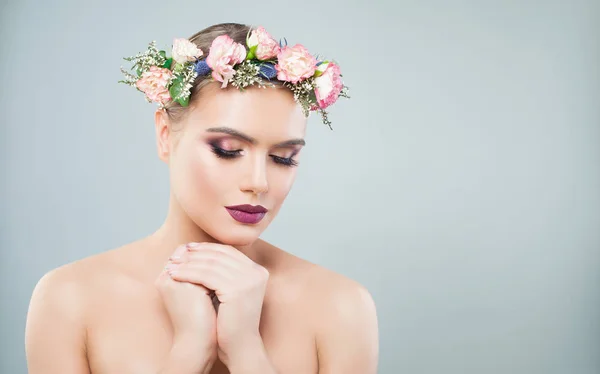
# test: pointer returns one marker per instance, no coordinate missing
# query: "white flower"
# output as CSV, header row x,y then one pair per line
x,y
184,50
252,40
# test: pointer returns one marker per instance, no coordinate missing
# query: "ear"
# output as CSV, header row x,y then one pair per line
x,y
161,125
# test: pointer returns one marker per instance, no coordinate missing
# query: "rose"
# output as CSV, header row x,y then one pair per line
x,y
265,47
154,84
295,63
184,50
224,53
328,84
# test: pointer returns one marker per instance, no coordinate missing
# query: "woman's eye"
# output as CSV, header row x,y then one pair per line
x,y
224,153
287,161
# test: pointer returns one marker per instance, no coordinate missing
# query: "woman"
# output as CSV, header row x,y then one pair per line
x,y
203,294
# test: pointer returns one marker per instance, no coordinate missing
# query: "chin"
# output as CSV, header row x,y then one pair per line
x,y
234,233
237,237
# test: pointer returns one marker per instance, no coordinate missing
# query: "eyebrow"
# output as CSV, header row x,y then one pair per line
x,y
251,140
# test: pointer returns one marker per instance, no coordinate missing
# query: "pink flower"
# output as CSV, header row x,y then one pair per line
x,y
184,50
295,63
328,84
266,46
154,84
224,53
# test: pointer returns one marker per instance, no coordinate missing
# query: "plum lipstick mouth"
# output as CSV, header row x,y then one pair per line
x,y
247,213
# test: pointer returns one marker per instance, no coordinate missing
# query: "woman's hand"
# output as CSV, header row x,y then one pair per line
x,y
193,317
240,285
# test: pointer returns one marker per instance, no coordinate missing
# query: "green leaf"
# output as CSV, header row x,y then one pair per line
x,y
178,68
167,64
251,53
312,96
176,88
184,102
163,54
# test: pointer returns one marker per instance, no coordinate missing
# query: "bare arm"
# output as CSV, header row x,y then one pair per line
x,y
55,331
348,338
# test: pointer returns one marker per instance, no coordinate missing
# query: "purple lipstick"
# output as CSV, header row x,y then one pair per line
x,y
249,214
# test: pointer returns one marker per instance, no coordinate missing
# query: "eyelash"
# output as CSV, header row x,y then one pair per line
x,y
226,154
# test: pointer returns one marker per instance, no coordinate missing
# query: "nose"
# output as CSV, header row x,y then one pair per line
x,y
255,178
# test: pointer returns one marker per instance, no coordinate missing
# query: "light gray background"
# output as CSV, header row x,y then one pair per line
x,y
461,182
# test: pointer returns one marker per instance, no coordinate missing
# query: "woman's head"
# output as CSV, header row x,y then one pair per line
x,y
232,148
233,105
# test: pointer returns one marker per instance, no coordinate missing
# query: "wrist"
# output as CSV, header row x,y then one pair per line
x,y
184,358
251,359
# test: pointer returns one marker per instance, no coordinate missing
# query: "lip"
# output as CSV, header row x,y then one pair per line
x,y
247,208
247,213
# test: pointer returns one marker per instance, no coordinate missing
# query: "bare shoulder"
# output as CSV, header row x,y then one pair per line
x,y
344,314
68,281
71,283
323,282
326,286
81,273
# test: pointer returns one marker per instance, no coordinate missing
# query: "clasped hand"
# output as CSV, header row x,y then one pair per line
x,y
239,284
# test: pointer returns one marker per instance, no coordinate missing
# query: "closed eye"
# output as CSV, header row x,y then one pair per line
x,y
287,161
224,153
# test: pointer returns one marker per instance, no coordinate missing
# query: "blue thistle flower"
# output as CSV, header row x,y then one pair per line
x,y
281,44
268,70
201,68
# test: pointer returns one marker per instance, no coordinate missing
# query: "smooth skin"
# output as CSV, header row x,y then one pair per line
x,y
151,306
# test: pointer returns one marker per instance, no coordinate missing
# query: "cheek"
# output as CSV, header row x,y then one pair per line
x,y
197,175
281,182
205,173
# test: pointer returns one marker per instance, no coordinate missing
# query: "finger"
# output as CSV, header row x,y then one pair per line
x,y
211,258
221,248
179,251
210,277
238,268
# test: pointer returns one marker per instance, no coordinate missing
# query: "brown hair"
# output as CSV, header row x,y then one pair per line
x,y
203,39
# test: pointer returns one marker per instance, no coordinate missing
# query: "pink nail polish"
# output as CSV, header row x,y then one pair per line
x,y
175,258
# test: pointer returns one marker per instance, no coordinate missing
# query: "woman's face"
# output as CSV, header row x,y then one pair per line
x,y
235,148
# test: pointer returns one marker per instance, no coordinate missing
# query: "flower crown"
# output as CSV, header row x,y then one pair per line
x,y
315,84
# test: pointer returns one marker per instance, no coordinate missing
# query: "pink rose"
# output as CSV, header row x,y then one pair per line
x,y
224,53
295,63
154,84
266,46
328,84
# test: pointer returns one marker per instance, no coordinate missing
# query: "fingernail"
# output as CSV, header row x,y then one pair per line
x,y
171,266
194,245
175,258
